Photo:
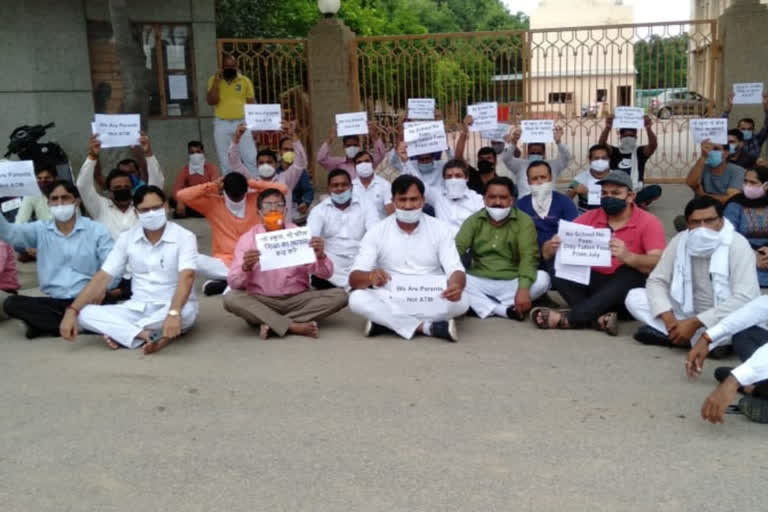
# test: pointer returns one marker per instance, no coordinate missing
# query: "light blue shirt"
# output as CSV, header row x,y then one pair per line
x,y
65,264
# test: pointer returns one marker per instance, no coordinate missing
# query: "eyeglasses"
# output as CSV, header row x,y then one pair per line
x,y
270,207
709,222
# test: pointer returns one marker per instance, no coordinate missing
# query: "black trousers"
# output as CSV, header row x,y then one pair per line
x,y
43,314
745,343
605,293
320,284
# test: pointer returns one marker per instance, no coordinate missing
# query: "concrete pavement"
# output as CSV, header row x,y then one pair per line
x,y
508,419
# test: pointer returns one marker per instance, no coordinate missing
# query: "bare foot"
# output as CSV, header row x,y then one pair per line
x,y
308,329
111,343
154,346
264,331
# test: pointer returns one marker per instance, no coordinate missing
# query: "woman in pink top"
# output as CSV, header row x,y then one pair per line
x,y
9,279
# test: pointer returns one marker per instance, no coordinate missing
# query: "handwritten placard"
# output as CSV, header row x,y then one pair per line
x,y
117,130
419,295
18,179
537,130
748,93
629,117
421,108
263,118
284,248
594,194
584,245
496,134
353,123
484,116
714,129
424,137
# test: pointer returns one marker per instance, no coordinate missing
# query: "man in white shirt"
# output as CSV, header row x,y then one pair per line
x,y
342,220
163,257
454,202
705,273
372,188
536,151
426,167
584,184
405,246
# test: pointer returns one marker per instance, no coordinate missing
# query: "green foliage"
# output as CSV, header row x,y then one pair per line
x,y
662,63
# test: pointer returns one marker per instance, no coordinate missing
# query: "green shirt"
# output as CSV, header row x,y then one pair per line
x,y
501,252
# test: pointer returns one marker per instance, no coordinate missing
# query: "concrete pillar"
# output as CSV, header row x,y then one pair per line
x,y
743,38
333,83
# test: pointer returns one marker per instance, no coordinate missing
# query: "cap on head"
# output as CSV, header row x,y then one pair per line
x,y
618,178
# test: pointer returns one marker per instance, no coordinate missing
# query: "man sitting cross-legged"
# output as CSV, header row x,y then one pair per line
x,y
280,300
705,273
411,244
502,279
163,256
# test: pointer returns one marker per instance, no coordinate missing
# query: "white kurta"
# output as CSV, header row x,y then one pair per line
x,y
454,211
377,195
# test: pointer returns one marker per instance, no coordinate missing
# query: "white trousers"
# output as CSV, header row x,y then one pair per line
x,y
223,131
494,296
212,268
376,307
638,306
123,322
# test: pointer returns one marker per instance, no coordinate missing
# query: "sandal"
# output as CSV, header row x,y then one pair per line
x,y
545,312
611,325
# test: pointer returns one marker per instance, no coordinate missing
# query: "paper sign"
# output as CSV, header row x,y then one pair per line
x,y
421,108
577,273
629,117
117,130
284,248
484,116
424,137
177,87
748,93
355,123
175,57
584,245
9,206
594,194
419,295
539,130
496,134
714,129
18,179
263,118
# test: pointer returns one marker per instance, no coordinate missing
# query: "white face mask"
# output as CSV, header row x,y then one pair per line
x,y
266,171
542,190
63,212
236,208
197,163
455,187
408,216
153,219
702,242
599,165
498,214
364,169
627,144
351,151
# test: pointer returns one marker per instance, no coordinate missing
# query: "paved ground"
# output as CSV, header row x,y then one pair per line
x,y
509,419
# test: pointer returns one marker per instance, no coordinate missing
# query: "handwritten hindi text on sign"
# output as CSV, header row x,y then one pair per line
x,y
629,117
424,137
263,118
18,179
584,245
353,123
284,248
748,93
421,108
537,130
117,130
714,129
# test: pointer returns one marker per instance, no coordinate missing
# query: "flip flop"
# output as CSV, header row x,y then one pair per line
x,y
545,312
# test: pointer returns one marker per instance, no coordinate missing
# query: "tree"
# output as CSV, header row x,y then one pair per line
x,y
662,62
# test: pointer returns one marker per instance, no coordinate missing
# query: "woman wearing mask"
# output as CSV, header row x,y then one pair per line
x,y
748,212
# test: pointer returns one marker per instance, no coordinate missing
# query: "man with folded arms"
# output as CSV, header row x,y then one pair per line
x,y
280,300
411,244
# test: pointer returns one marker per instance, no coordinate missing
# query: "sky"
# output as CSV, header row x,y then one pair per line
x,y
646,11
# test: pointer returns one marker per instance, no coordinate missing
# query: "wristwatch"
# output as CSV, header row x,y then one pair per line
x,y
173,312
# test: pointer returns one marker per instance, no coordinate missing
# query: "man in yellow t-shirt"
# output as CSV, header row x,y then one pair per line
x,y
228,92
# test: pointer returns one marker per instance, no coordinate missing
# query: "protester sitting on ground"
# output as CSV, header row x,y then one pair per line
x,y
479,178
36,207
705,273
486,153
736,153
536,151
637,241
304,192
279,301
70,250
162,256
748,212
502,279
372,188
136,168
586,181
352,147
455,202
341,220
712,174
631,158
196,172
743,326
408,244
425,167
753,142
544,205
267,164
9,278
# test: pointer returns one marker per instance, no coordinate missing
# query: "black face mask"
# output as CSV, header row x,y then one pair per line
x,y
45,187
229,73
122,195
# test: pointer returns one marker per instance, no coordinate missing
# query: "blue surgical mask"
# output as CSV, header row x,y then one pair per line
x,y
342,197
426,168
747,134
535,158
715,158
732,149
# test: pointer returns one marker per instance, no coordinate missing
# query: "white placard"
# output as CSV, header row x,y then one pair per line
x,y
584,245
748,93
419,295
714,129
10,205
354,123
284,248
425,137
484,116
421,108
629,117
594,194
496,134
537,130
177,87
117,130
263,118
18,179
577,273
175,57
